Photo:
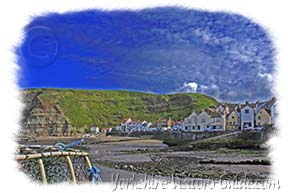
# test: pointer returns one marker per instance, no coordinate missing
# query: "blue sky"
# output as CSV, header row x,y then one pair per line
x,y
159,50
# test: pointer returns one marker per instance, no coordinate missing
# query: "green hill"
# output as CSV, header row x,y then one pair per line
x,y
108,108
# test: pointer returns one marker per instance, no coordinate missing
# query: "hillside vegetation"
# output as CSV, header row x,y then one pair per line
x,y
102,108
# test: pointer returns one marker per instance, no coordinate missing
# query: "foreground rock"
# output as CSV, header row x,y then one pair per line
x,y
145,158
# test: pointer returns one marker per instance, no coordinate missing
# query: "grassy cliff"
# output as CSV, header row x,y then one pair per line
x,y
108,108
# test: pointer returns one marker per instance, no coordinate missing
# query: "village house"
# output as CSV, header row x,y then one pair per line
x,y
170,123
273,113
262,117
190,123
270,106
178,126
203,120
106,130
224,117
232,120
131,126
231,115
247,116
124,125
164,123
207,120
134,125
94,129
265,112
216,122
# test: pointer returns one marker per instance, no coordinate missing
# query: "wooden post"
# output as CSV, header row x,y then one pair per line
x,y
71,169
42,171
88,161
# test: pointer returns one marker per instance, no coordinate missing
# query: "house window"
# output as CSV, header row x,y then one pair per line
x,y
259,117
214,126
203,120
198,127
247,111
247,124
230,123
233,117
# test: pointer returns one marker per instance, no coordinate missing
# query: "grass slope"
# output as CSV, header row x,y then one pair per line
x,y
108,108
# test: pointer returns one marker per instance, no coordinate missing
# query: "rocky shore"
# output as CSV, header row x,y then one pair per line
x,y
224,164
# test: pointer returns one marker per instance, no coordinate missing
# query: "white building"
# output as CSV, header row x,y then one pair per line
x,y
131,126
94,129
207,120
190,123
273,113
247,116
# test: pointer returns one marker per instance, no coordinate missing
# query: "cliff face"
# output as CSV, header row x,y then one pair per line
x,y
42,119
62,111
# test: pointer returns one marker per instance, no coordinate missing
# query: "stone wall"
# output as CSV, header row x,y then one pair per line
x,y
188,135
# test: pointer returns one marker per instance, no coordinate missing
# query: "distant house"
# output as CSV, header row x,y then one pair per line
x,y
94,129
273,113
228,111
215,121
190,123
124,125
265,112
162,123
178,126
221,108
134,125
170,123
262,117
271,108
206,120
131,126
106,130
232,120
203,120
247,116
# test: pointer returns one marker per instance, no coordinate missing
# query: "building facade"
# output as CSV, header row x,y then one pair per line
x,y
232,120
262,118
247,117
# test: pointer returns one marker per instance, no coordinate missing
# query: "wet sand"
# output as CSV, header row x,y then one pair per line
x,y
144,156
131,157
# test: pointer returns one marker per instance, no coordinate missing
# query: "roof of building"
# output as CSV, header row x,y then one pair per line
x,y
251,105
213,114
267,110
231,112
270,103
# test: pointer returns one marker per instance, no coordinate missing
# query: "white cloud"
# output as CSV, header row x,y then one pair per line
x,y
203,87
214,86
189,87
266,76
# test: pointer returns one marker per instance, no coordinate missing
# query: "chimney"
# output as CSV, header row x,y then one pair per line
x,y
257,103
